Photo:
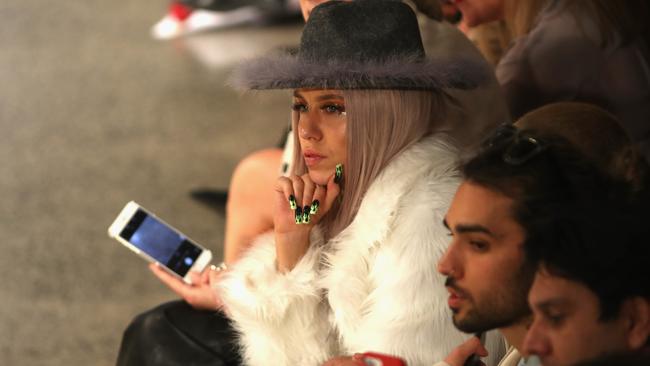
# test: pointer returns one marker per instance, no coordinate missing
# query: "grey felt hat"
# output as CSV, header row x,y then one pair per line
x,y
363,44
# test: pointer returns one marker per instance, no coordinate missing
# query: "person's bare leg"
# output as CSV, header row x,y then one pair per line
x,y
249,210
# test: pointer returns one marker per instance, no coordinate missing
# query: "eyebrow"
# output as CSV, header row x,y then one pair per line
x,y
468,228
328,96
320,97
552,302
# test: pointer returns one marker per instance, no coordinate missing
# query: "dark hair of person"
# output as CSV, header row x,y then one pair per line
x,y
634,358
578,220
589,128
603,244
555,176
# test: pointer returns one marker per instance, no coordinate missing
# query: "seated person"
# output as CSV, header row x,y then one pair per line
x,y
596,133
474,114
620,359
488,274
591,294
347,267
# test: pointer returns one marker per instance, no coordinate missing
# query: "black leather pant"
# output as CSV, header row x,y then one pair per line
x,y
177,334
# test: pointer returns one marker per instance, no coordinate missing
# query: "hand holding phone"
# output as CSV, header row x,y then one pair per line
x,y
201,294
175,259
158,242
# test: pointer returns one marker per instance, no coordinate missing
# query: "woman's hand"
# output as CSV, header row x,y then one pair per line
x,y
300,204
200,294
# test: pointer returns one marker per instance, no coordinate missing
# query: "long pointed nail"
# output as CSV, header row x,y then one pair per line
x,y
305,215
292,202
314,207
298,215
338,174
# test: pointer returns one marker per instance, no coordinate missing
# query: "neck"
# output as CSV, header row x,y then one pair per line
x,y
515,333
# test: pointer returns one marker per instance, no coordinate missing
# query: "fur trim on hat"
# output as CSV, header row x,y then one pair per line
x,y
405,73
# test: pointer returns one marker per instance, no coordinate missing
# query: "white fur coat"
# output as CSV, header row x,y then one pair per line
x,y
374,287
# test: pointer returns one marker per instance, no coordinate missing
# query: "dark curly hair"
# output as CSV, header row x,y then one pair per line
x,y
580,222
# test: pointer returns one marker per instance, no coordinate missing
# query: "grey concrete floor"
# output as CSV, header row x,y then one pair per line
x,y
94,113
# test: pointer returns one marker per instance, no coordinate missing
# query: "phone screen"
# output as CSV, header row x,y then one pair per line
x,y
161,242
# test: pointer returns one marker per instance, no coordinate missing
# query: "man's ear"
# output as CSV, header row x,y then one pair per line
x,y
636,311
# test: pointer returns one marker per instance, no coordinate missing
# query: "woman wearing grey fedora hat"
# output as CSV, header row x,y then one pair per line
x,y
350,264
359,275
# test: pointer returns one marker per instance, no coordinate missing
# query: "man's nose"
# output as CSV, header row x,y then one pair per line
x,y
535,343
446,264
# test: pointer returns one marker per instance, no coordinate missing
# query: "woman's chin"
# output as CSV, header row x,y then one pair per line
x,y
319,178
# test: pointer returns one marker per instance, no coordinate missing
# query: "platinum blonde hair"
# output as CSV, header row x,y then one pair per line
x,y
380,124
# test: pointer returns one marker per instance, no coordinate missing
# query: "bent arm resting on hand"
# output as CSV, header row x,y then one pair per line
x,y
300,205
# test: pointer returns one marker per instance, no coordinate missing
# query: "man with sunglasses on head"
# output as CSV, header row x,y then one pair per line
x,y
487,275
510,189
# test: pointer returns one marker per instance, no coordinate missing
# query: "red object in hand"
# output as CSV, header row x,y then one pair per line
x,y
378,359
180,11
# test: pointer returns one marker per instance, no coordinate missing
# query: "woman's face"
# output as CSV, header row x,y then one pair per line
x,y
321,130
476,12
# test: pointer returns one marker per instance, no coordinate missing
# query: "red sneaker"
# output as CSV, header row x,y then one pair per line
x,y
181,20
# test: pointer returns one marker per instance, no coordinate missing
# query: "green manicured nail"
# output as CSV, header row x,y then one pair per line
x,y
338,175
292,202
305,215
298,215
314,207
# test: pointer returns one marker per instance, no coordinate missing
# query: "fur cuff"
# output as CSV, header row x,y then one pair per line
x,y
255,288
272,311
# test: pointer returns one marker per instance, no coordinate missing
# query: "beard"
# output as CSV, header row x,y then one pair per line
x,y
501,307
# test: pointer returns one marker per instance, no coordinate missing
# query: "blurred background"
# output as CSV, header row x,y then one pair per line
x,y
93,113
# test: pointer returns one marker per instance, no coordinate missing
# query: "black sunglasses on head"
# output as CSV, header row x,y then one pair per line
x,y
520,146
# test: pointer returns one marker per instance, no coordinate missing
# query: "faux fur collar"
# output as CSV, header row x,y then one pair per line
x,y
434,154
348,257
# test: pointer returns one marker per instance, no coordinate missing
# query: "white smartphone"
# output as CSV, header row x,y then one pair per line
x,y
156,241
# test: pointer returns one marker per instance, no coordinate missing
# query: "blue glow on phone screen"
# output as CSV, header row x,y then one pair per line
x,y
156,239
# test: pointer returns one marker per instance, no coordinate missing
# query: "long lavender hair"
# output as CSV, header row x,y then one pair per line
x,y
380,124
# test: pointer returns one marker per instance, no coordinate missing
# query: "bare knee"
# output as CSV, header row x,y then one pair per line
x,y
249,210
